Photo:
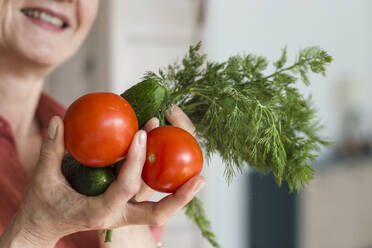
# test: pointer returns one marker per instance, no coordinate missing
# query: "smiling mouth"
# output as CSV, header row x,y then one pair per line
x,y
45,17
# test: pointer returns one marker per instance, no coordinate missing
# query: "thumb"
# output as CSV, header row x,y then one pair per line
x,y
53,148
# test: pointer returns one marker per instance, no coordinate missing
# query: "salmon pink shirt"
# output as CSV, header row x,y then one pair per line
x,y
13,178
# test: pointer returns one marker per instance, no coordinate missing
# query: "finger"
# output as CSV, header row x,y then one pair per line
x,y
128,181
178,118
158,213
144,193
53,149
151,124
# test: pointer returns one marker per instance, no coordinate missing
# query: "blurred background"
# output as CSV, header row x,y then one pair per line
x,y
131,37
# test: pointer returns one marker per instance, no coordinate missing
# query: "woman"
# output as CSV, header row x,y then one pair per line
x,y
37,206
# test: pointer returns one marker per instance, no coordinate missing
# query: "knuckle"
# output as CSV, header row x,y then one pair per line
x,y
183,197
139,160
47,153
125,189
130,189
137,157
41,188
134,165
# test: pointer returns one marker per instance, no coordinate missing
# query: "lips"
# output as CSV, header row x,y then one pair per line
x,y
47,16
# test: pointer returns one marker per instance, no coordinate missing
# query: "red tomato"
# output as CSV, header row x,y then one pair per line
x,y
173,157
99,128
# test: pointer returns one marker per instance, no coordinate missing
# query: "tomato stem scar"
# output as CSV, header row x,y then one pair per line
x,y
152,158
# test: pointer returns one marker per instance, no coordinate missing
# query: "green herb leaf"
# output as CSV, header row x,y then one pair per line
x,y
195,211
247,117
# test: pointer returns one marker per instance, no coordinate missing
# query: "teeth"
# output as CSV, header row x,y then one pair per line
x,y
44,16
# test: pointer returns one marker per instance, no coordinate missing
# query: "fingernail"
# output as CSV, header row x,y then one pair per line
x,y
174,107
198,186
156,122
142,138
52,128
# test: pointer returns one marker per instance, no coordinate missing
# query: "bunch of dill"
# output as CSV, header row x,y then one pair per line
x,y
248,117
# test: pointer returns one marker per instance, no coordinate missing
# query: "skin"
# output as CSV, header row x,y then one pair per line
x,y
49,208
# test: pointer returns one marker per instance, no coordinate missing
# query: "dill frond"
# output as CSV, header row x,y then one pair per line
x,y
248,116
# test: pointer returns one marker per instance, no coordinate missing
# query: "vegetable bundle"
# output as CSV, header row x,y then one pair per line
x,y
269,124
246,115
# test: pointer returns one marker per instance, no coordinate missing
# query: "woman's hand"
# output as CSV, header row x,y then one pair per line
x,y
51,209
176,117
140,236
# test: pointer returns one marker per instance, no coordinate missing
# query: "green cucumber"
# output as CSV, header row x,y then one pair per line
x,y
146,98
86,180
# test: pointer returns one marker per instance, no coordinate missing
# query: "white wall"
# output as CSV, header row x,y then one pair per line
x,y
341,27
148,35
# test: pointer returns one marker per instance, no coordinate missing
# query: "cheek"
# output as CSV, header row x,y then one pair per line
x,y
44,53
5,16
33,44
87,11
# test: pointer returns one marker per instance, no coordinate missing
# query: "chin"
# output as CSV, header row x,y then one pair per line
x,y
43,54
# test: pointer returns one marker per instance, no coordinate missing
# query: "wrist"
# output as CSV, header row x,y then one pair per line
x,y
20,232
